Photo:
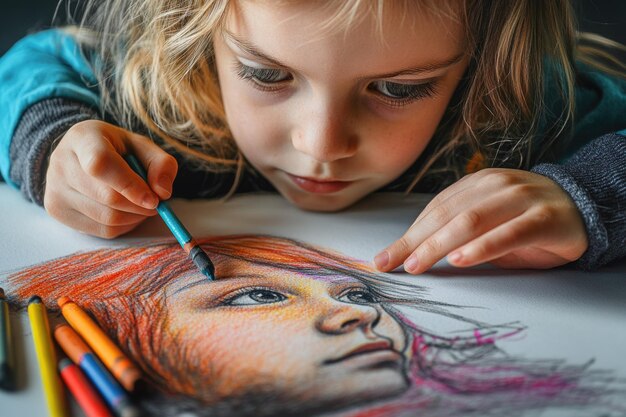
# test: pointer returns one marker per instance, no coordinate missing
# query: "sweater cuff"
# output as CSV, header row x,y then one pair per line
x,y
595,178
40,128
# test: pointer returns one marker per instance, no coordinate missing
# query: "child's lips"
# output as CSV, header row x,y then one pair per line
x,y
319,186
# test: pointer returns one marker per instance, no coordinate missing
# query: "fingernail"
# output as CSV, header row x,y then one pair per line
x,y
455,256
163,184
411,264
381,260
149,201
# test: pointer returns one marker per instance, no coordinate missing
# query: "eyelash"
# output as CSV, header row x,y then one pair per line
x,y
362,290
414,92
242,291
266,79
259,77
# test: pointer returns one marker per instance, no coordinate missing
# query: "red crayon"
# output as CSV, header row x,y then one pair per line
x,y
81,389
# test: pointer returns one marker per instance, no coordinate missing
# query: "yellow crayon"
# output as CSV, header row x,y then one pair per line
x,y
46,357
113,358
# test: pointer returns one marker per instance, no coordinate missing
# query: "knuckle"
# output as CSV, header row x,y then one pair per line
x,y
129,187
108,232
403,244
501,179
111,217
524,190
80,130
544,214
430,247
440,214
109,197
469,220
97,164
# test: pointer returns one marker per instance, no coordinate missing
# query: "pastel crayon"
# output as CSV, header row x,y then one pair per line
x,y
113,394
86,397
7,354
46,357
113,358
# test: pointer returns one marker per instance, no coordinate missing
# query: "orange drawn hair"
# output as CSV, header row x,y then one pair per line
x,y
124,289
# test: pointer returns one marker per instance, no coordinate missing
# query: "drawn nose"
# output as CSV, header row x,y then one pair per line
x,y
345,318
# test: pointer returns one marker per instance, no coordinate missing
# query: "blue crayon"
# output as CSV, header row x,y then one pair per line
x,y
112,392
195,252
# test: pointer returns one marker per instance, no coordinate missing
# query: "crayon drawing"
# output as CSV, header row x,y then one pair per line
x,y
293,329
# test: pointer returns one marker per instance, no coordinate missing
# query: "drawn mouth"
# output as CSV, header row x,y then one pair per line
x,y
382,349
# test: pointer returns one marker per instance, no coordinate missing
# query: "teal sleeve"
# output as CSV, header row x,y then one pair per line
x,y
44,65
600,108
600,105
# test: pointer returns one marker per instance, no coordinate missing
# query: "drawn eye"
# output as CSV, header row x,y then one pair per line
x,y
254,297
359,296
403,91
262,76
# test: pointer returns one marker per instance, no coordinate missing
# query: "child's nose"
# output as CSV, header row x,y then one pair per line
x,y
325,136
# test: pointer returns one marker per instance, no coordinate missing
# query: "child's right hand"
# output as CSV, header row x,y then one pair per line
x,y
91,188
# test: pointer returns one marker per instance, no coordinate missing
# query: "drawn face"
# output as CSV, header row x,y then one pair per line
x,y
318,341
330,117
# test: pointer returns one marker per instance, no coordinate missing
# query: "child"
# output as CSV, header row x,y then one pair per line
x,y
326,103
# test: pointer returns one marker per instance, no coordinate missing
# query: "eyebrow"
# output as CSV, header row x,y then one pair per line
x,y
253,50
203,280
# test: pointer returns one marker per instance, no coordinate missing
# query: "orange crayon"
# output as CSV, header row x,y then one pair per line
x,y
113,358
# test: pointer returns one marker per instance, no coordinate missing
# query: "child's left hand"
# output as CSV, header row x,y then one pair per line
x,y
508,217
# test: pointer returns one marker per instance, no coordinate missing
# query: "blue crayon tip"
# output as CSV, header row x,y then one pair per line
x,y
202,261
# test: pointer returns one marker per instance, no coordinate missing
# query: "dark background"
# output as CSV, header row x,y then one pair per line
x,y
19,17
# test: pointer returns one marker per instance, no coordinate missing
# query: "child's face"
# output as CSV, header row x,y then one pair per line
x,y
312,341
307,107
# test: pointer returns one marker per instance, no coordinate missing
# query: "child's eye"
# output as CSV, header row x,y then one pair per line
x,y
402,92
254,297
359,296
262,76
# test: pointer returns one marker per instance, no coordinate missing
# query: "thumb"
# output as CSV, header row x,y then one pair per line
x,y
160,166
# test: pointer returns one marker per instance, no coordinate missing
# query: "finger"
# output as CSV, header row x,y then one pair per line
x,y
518,233
160,166
463,228
102,214
451,192
442,209
99,191
483,182
100,159
436,214
82,223
465,193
